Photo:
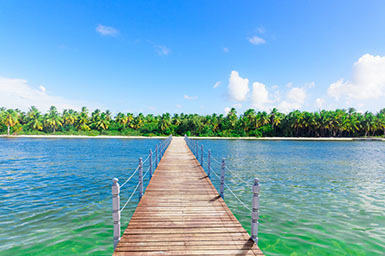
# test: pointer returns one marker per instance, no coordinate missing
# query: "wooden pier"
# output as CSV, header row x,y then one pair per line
x,y
181,213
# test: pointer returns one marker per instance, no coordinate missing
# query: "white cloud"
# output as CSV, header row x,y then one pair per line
x,y
297,95
17,93
259,96
187,97
368,80
319,103
106,30
226,49
162,50
295,99
227,110
256,40
238,87
217,84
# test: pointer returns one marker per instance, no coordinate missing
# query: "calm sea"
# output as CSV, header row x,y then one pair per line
x,y
317,198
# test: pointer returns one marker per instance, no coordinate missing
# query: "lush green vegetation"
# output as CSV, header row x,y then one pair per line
x,y
338,123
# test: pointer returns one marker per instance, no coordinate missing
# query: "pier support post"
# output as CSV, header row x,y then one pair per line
x,y
140,178
202,155
255,213
150,163
223,171
116,210
208,163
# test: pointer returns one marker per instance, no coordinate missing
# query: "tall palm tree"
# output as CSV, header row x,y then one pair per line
x,y
10,119
53,120
34,119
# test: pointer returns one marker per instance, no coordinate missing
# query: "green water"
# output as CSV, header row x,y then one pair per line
x,y
317,198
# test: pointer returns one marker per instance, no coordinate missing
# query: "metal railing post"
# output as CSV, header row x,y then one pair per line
x,y
208,163
156,155
202,155
150,163
223,170
255,213
116,210
140,178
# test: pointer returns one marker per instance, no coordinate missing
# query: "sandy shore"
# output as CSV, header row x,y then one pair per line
x,y
201,138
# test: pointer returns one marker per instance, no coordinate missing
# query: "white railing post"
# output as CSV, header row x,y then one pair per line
x,y
150,163
156,155
208,163
202,155
140,178
223,170
255,213
116,210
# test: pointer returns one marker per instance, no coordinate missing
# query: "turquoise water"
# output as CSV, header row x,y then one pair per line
x,y
317,198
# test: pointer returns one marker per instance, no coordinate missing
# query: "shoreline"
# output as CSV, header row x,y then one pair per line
x,y
192,137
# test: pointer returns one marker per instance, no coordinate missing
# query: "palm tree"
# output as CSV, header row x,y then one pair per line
x,y
82,123
53,120
275,119
121,119
69,117
103,122
165,122
10,119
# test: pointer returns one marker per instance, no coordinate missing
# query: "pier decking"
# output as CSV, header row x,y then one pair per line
x,y
181,213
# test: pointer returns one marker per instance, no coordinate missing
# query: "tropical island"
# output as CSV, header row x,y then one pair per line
x,y
323,123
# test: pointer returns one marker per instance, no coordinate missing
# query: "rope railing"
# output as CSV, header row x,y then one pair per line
x,y
132,175
200,153
154,158
129,199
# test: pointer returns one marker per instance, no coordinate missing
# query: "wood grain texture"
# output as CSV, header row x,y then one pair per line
x,y
181,213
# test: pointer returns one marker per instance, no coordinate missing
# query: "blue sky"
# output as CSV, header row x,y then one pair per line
x,y
166,56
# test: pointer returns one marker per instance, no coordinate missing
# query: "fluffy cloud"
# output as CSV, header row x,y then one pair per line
x,y
106,30
295,99
368,80
162,50
319,103
187,97
259,96
16,93
217,84
256,40
238,87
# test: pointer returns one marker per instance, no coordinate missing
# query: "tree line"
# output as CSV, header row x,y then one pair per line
x,y
324,123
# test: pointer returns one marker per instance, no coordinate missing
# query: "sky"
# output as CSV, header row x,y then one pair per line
x,y
192,56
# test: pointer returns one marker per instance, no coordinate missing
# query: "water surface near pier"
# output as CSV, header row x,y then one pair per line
x,y
317,198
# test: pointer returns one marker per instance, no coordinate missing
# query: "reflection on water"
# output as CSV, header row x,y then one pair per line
x,y
317,198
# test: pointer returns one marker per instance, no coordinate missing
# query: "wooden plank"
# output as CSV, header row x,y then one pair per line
x,y
182,214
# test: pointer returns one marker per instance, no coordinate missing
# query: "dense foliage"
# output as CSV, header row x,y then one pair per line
x,y
346,123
